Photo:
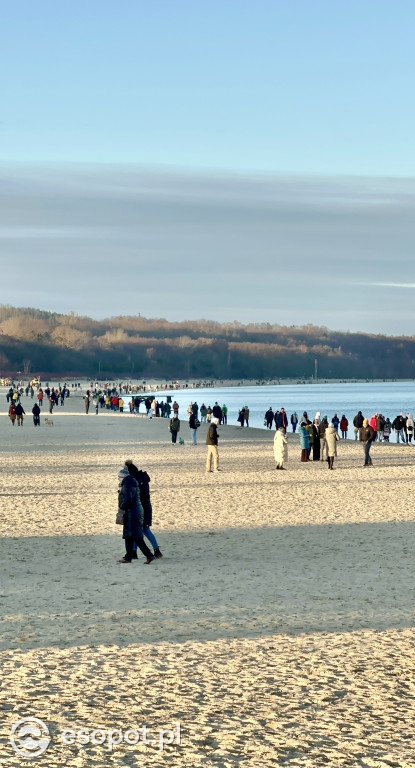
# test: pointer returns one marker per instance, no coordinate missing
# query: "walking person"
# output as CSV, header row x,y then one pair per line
x,y
12,413
294,421
280,448
332,437
36,415
367,434
269,418
129,502
143,480
409,426
212,438
174,427
20,412
357,424
322,435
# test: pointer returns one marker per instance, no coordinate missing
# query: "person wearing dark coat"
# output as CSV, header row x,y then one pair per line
x,y
36,415
20,412
143,480
269,417
281,420
316,441
129,502
367,433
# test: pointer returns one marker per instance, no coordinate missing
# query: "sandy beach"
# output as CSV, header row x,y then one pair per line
x,y
277,629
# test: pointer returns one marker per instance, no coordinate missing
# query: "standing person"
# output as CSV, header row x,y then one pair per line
x,y
189,410
40,397
129,502
175,408
316,440
241,416
367,434
344,426
121,405
387,429
357,424
202,413
36,415
143,480
280,448
294,421
281,420
95,401
12,413
409,426
304,442
309,428
269,418
208,414
246,414
331,439
398,425
224,414
380,423
335,421
174,428
212,438
217,412
20,412
322,435
194,424
86,398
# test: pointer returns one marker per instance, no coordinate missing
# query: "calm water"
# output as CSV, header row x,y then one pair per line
x,y
389,398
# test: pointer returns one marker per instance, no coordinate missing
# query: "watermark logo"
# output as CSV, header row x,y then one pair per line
x,y
29,737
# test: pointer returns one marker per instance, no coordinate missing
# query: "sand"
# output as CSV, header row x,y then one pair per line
x,y
277,629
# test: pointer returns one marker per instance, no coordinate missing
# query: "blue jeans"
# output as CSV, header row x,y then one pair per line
x,y
193,431
367,452
399,434
150,536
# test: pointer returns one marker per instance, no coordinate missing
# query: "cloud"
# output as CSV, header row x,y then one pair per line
x,y
108,240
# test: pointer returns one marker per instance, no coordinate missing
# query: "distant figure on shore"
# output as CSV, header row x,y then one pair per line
x,y
335,421
20,412
331,438
357,424
241,417
217,412
322,435
212,438
86,399
269,418
208,414
203,413
281,420
280,448
175,408
174,428
398,425
36,415
409,427
304,442
367,434
344,424
316,439
194,424
294,421
12,413
387,429
246,415
224,414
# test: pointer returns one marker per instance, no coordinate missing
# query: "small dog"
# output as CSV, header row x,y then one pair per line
x,y
181,441
48,422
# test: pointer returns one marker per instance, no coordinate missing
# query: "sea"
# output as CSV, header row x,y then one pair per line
x,y
388,397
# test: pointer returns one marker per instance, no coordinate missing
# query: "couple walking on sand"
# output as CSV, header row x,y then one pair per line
x,y
134,502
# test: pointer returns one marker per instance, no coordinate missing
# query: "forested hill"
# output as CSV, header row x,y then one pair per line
x,y
34,341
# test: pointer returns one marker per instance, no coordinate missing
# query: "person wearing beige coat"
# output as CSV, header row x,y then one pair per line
x,y
331,439
280,448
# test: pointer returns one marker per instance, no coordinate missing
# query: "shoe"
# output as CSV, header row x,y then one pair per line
x,y
124,560
217,470
134,556
157,552
208,470
149,560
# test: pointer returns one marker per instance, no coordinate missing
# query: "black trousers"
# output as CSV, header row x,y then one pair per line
x,y
142,546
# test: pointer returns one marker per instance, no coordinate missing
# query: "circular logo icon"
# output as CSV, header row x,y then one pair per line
x,y
29,737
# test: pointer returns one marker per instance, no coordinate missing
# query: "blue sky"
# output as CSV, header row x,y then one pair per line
x,y
223,95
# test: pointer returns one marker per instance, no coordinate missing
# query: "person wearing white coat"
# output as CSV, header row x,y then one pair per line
x,y
280,448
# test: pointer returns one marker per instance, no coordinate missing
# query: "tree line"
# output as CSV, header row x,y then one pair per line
x,y
36,341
